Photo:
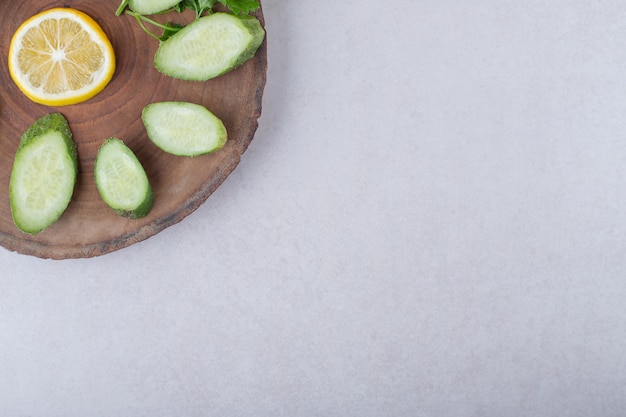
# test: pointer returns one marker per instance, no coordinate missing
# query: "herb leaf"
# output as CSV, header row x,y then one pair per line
x,y
200,7
241,6
169,30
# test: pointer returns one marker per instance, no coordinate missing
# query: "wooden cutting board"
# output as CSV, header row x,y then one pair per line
x,y
88,227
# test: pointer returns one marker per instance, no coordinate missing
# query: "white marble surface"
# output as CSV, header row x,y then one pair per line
x,y
430,221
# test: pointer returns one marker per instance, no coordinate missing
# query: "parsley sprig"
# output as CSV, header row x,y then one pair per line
x,y
200,7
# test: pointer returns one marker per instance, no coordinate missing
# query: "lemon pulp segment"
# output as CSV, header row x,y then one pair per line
x,y
61,56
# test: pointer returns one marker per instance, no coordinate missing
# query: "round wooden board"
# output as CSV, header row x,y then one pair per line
x,y
88,227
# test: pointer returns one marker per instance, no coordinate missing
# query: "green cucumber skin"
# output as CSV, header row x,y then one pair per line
x,y
56,122
141,211
146,206
253,25
50,122
165,66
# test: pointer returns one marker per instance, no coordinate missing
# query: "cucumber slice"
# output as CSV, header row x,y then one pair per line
x,y
151,6
122,181
183,129
44,174
209,47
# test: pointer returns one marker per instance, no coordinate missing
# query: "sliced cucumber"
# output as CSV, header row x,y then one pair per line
x,y
122,181
151,6
44,174
209,47
183,129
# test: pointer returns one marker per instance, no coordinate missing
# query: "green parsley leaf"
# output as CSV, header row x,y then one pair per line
x,y
200,7
169,30
241,6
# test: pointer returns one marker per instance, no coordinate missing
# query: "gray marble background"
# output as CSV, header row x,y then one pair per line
x,y
430,222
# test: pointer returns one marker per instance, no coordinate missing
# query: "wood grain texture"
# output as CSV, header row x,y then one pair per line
x,y
88,227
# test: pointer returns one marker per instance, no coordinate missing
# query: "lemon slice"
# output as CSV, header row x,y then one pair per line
x,y
61,56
